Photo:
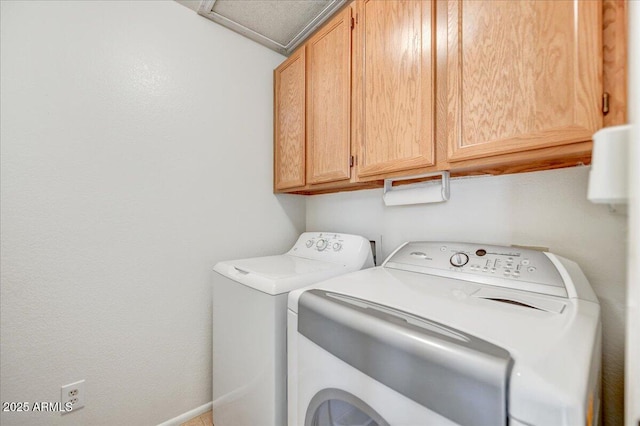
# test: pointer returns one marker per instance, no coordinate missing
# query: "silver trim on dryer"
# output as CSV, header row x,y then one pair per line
x,y
454,374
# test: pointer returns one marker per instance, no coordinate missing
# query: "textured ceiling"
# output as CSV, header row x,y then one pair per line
x,y
280,21
278,24
191,4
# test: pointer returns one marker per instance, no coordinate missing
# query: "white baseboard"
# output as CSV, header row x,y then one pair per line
x,y
176,421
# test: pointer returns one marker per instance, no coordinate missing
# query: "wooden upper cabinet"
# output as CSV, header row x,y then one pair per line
x,y
394,86
329,101
519,87
289,123
522,75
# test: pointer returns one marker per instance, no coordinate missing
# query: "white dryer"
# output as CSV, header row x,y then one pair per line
x,y
250,318
447,333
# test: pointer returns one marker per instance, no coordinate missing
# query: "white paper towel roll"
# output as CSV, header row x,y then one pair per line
x,y
414,195
608,178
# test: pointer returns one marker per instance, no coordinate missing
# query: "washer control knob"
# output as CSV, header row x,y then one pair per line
x,y
321,244
309,243
459,259
337,246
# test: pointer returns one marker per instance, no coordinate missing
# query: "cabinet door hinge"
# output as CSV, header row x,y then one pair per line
x,y
605,103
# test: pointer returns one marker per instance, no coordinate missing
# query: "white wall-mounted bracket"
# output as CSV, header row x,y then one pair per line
x,y
417,193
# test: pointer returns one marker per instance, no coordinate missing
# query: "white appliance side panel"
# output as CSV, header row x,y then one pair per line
x,y
292,369
247,389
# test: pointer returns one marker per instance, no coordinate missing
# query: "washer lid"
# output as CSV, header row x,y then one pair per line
x,y
278,274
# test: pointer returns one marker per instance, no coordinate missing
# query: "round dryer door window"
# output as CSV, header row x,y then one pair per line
x,y
335,407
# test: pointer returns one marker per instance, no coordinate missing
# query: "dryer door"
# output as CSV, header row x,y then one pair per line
x,y
457,375
335,407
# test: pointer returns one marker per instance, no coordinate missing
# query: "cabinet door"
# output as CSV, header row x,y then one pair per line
x,y
329,101
395,68
522,75
289,123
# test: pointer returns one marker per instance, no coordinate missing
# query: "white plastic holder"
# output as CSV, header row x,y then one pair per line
x,y
609,175
418,193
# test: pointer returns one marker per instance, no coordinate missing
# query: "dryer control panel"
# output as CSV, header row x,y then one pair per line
x,y
518,268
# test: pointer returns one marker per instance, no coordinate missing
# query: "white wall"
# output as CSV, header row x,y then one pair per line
x,y
547,209
135,144
632,396
136,150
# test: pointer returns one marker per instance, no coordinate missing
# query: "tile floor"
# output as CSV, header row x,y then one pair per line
x,y
205,419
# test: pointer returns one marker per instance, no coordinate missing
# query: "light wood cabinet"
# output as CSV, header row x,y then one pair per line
x,y
329,101
289,123
394,68
521,75
405,87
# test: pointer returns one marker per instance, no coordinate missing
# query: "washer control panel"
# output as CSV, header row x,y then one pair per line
x,y
487,264
331,247
323,241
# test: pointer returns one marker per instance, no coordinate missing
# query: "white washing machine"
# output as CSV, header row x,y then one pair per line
x,y
250,317
447,334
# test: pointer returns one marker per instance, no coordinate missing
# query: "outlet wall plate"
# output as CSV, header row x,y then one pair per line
x,y
74,395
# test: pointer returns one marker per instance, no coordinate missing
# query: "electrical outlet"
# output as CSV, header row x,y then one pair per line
x,y
72,396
